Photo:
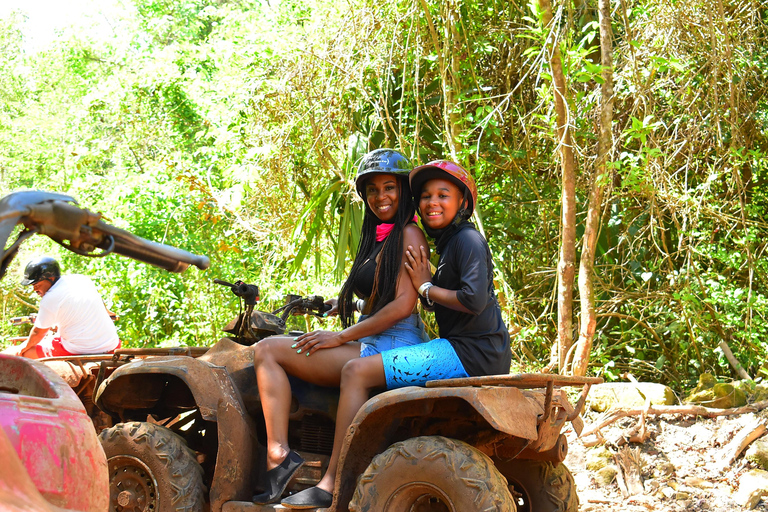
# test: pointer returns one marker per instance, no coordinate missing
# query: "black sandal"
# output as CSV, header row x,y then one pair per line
x,y
278,478
314,497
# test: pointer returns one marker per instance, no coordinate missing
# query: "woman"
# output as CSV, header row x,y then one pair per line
x,y
473,338
389,317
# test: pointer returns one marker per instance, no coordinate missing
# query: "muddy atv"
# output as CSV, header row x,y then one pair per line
x,y
82,372
51,457
196,428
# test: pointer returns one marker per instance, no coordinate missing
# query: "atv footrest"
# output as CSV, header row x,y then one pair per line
x,y
247,506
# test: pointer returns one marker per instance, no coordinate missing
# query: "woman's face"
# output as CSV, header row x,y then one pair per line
x,y
382,194
439,203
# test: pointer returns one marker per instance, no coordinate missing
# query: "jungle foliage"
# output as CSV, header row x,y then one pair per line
x,y
232,128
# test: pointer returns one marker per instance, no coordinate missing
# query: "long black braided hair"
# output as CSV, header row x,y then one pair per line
x,y
388,268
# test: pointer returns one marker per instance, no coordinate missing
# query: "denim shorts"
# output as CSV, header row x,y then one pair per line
x,y
415,365
408,331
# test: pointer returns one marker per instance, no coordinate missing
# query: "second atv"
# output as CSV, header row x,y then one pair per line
x,y
191,434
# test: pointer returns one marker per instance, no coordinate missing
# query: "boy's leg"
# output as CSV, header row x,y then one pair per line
x,y
358,378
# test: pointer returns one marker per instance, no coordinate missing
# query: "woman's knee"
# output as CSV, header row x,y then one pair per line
x,y
267,349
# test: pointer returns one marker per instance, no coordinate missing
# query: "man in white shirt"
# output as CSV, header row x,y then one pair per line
x,y
73,306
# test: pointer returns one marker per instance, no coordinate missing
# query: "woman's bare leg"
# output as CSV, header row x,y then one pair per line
x,y
358,378
274,360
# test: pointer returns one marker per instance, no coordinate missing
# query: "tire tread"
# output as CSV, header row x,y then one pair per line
x,y
183,474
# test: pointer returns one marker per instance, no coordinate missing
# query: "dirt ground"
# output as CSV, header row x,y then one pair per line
x,y
681,466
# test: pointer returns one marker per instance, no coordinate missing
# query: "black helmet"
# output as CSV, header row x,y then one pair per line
x,y
41,268
381,161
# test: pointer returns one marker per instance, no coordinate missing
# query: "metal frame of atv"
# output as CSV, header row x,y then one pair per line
x,y
81,231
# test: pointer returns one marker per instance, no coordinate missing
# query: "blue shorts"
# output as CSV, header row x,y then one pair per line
x,y
415,365
407,332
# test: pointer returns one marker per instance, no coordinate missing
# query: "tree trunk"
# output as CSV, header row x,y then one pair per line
x,y
565,268
601,177
448,64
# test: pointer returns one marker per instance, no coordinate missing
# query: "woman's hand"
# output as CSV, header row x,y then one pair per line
x,y
311,342
417,265
334,311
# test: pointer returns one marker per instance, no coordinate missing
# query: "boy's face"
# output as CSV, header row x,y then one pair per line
x,y
439,203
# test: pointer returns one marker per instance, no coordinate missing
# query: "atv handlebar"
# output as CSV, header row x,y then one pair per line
x,y
248,292
294,304
81,231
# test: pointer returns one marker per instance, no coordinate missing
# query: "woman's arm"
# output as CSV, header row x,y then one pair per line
x,y
401,307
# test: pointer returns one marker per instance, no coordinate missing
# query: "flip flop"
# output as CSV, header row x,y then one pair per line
x,y
314,497
278,478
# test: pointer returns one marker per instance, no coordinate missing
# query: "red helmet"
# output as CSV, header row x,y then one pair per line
x,y
447,170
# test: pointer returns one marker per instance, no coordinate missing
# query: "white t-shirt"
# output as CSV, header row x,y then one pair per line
x,y
74,305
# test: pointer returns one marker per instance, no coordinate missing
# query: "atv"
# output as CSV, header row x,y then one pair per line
x,y
82,372
189,432
52,458
196,428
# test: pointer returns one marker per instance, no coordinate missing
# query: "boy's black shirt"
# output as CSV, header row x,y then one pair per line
x,y
481,340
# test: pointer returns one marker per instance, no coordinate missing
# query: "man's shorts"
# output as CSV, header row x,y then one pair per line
x,y
55,349
415,365
408,331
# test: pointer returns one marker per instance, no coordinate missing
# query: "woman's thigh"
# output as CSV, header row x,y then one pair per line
x,y
323,367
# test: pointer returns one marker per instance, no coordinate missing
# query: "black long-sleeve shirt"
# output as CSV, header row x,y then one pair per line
x,y
480,339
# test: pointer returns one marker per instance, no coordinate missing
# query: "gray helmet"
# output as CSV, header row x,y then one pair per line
x,y
41,268
381,161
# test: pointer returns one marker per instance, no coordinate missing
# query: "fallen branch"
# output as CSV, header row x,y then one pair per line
x,y
629,472
680,410
743,439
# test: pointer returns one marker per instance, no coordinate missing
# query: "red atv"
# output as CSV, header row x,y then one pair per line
x,y
50,456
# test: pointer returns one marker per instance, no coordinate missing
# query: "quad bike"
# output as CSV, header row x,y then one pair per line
x,y
82,372
196,426
51,456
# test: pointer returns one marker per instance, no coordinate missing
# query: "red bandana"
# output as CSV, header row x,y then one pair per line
x,y
384,229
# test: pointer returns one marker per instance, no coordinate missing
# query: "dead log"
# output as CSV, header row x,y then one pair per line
x,y
679,410
743,439
630,468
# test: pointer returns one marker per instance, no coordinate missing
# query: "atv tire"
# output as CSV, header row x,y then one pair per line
x,y
151,469
431,474
540,486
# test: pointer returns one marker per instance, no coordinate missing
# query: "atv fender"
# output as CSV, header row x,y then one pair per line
x,y
176,384
458,413
47,442
493,414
